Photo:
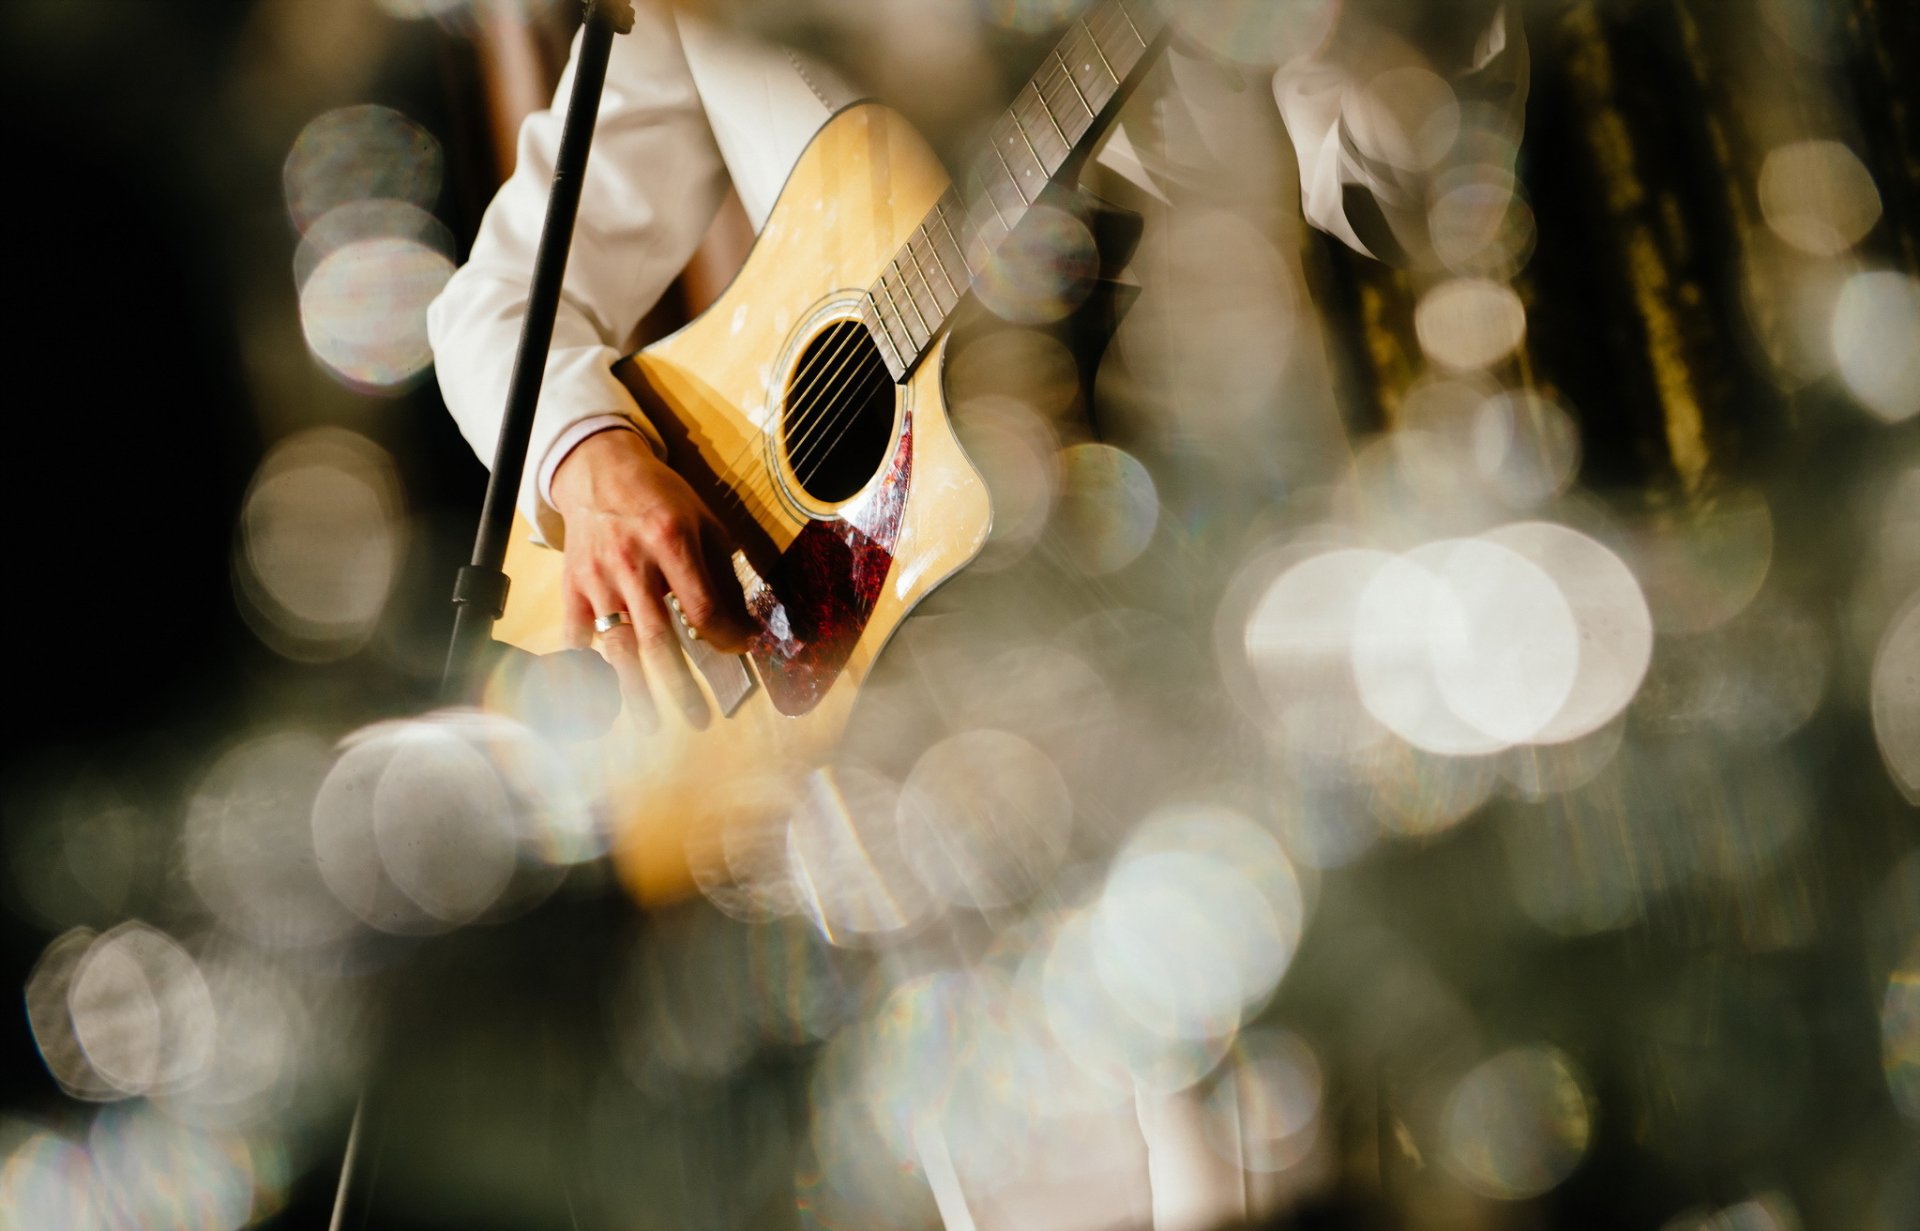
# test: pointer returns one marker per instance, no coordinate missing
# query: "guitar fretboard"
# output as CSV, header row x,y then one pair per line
x,y
1028,145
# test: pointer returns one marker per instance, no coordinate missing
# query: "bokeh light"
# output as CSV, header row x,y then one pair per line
x,y
360,153
1876,343
1108,507
1896,700
249,855
984,819
321,542
1518,1124
1043,271
364,309
1470,323
1900,1035
1818,196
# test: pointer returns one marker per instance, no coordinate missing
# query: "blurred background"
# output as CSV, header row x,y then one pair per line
x,y
1428,744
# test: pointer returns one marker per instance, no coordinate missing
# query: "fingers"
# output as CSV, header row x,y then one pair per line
x,y
621,648
659,649
698,570
577,616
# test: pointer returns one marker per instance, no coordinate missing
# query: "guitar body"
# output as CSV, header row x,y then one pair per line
x,y
847,492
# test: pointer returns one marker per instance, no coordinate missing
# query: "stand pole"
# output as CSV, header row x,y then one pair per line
x,y
480,587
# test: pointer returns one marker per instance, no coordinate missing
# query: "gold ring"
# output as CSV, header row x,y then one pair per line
x,y
610,621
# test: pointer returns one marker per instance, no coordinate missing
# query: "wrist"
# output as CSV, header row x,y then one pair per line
x,y
583,472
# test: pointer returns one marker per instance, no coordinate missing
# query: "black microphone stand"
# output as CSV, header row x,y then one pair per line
x,y
480,587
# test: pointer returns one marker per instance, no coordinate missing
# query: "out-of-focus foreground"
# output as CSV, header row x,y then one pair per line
x,y
1433,744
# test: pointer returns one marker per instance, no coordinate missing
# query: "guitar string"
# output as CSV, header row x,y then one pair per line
x,y
1019,130
798,456
849,347
834,412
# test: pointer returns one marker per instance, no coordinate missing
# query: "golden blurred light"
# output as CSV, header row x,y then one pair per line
x,y
1255,31
1263,1114
984,819
1406,117
1042,271
1876,342
50,1017
1896,700
1700,569
1015,451
1464,647
1525,447
1518,1124
364,309
1469,323
1197,922
1615,626
1818,196
49,1181
359,153
320,544
1299,642
843,848
1108,507
1900,1035
249,853
141,1011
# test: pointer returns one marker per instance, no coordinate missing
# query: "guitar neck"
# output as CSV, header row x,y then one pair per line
x,y
1050,121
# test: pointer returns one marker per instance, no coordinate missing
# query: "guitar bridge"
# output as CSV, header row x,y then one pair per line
x,y
727,676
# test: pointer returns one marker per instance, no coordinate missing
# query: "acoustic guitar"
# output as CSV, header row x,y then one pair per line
x,y
805,407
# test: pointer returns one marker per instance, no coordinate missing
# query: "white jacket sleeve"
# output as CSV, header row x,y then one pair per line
x,y
1370,113
653,184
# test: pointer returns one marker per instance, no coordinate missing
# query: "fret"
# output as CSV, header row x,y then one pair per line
x,y
965,239
934,237
1066,74
924,332
1052,135
1026,198
1018,151
877,329
906,326
1065,108
995,185
946,279
1093,85
929,321
1121,8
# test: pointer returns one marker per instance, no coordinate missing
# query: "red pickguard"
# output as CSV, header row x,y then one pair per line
x,y
822,591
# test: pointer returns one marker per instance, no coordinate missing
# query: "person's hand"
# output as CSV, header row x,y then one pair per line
x,y
636,533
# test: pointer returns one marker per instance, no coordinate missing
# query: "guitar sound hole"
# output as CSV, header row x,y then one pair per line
x,y
838,418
